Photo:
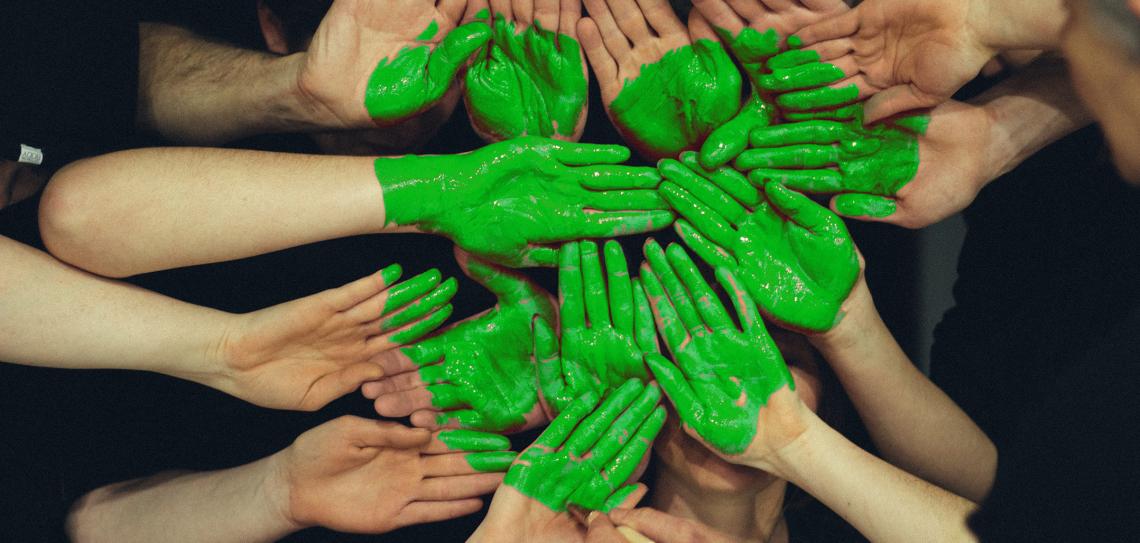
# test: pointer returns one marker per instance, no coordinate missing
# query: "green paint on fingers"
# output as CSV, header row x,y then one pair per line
x,y
403,293
865,205
429,32
470,440
674,103
491,461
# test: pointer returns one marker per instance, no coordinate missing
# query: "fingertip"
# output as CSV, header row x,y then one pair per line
x,y
391,274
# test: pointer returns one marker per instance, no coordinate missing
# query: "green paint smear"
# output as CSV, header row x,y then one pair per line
x,y
751,47
491,461
731,138
470,440
527,83
674,103
865,205
505,201
417,77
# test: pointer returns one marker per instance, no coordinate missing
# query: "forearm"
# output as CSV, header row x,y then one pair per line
x,y
915,425
195,91
151,209
54,315
1018,24
1032,109
884,503
242,504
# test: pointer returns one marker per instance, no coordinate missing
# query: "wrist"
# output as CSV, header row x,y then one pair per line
x,y
414,189
275,495
857,317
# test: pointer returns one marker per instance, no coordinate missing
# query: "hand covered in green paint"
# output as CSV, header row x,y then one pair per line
x,y
805,88
477,374
509,201
731,138
795,258
305,353
724,373
605,331
383,62
368,476
664,90
530,79
584,458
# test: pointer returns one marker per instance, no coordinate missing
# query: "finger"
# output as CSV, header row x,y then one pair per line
x,y
844,113
817,132
524,12
660,15
730,139
898,99
644,331
594,284
587,154
434,420
417,329
477,10
353,294
507,285
433,300
456,487
570,12
659,526
820,98
727,179
612,37
448,441
393,383
600,57
707,220
571,297
668,321
452,53
618,177
751,10
708,304
452,10
378,433
811,181
626,497
427,512
792,59
746,309
331,386
623,200
619,288
714,255
610,224
704,190
539,256
621,468
678,296
620,432
802,210
403,403
503,8
446,465
720,15
428,351
563,425
699,27
594,426
630,20
601,530
791,156
551,382
864,206
831,28
688,406
403,293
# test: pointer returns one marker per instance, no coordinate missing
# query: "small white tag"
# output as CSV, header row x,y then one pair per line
x,y
31,155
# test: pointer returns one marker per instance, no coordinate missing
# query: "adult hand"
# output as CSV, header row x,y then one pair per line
x,y
650,525
531,78
583,458
305,353
663,90
382,62
477,374
368,476
909,54
509,201
602,354
795,258
726,373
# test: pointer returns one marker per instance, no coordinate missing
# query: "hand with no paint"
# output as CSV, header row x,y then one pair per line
x,y
663,89
382,62
306,353
606,328
477,374
531,78
509,202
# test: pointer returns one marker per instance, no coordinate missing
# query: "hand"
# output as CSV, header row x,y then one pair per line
x,y
726,373
508,201
305,353
477,374
372,62
531,79
651,525
368,476
909,54
667,91
583,458
795,258
601,356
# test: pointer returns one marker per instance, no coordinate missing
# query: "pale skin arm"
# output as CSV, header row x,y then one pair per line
x,y
912,422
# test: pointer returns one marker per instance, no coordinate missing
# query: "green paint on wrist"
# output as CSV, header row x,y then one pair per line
x,y
674,103
865,205
527,83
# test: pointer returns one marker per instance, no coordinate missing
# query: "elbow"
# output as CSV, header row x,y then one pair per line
x,y
74,220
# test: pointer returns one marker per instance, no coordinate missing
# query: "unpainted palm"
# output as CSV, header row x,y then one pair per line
x,y
509,202
663,89
368,476
382,62
305,353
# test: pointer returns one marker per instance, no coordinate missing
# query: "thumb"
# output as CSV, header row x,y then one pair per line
x,y
331,386
451,54
897,99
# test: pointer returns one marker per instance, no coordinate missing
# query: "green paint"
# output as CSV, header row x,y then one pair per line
x,y
794,42
588,448
823,97
751,47
724,373
794,256
423,327
509,201
865,205
843,113
601,320
618,498
429,32
731,138
491,462
826,156
400,295
422,306
422,298
531,82
472,441
416,77
391,274
674,103
479,372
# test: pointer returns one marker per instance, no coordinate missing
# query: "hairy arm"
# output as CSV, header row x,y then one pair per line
x,y
196,91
